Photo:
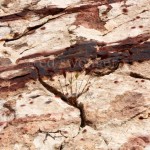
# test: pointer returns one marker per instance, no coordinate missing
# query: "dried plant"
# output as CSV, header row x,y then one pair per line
x,y
72,84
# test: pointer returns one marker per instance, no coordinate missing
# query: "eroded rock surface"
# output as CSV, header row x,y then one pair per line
x,y
74,75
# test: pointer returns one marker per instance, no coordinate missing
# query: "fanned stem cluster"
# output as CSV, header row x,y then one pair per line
x,y
74,84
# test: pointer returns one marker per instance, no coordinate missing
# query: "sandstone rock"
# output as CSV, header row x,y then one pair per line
x,y
88,139
35,110
54,33
74,74
41,142
117,108
15,73
141,69
5,61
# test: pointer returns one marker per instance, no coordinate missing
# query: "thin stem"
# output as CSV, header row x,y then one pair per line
x,y
61,86
80,84
84,88
76,86
66,86
71,84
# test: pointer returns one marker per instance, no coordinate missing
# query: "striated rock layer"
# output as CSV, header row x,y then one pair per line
x,y
74,75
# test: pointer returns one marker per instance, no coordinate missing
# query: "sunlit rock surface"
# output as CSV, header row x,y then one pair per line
x,y
74,74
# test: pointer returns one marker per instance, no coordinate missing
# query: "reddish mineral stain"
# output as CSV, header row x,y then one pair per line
x,y
132,27
48,102
141,118
84,131
138,17
115,82
20,96
125,10
90,19
140,26
79,54
82,139
43,28
1,123
65,132
57,96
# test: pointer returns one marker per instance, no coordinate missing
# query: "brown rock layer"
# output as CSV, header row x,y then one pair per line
x,y
74,74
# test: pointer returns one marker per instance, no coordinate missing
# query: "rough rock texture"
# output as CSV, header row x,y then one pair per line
x,y
74,74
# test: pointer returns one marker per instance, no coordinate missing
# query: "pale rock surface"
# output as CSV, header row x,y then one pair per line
x,y
74,75
88,139
120,107
35,110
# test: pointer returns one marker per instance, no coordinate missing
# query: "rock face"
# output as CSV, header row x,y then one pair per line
x,y
74,75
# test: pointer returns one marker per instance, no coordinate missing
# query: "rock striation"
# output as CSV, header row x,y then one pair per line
x,y
74,75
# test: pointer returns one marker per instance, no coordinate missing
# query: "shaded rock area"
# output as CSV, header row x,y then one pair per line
x,y
74,75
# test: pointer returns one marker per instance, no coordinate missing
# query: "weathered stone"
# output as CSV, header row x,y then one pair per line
x,y
74,74
5,61
15,73
119,108
35,111
88,139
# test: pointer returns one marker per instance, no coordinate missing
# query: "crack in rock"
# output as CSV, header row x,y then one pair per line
x,y
138,76
69,100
